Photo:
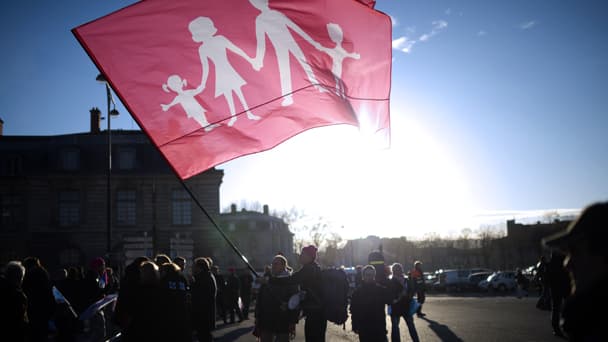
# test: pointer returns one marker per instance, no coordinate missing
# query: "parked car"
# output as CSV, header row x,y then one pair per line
x,y
456,279
499,281
476,278
452,280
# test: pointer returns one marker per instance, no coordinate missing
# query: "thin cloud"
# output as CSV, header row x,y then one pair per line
x,y
403,44
448,11
481,33
438,26
527,25
394,21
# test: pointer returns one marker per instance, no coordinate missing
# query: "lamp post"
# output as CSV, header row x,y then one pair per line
x,y
110,113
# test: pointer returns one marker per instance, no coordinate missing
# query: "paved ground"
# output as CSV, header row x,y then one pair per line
x,y
448,318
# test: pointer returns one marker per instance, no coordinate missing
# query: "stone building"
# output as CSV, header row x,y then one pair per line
x,y
258,235
54,191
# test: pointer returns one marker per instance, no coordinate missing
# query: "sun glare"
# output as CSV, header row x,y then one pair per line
x,y
413,188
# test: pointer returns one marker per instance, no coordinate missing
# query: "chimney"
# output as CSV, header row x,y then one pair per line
x,y
95,118
233,208
265,209
1,127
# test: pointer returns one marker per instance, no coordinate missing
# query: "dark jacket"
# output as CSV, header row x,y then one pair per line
x,y
585,314
271,311
309,279
13,311
204,291
367,309
402,292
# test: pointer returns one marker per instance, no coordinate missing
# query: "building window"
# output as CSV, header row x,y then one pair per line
x,y
181,207
70,159
126,158
231,226
11,166
125,207
69,208
11,209
69,257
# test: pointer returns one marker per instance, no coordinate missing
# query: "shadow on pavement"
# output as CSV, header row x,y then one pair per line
x,y
234,334
442,331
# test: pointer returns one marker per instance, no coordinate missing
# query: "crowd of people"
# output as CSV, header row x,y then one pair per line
x,y
157,300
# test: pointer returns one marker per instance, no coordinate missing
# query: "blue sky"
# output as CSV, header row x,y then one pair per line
x,y
498,109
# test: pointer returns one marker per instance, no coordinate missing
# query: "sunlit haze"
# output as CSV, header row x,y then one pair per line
x,y
498,111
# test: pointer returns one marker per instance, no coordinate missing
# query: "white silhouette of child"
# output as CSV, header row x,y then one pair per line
x,y
185,97
337,54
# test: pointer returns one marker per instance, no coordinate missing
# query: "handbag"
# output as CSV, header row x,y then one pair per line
x,y
414,306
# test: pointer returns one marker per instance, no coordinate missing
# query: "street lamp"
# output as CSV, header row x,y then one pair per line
x,y
110,113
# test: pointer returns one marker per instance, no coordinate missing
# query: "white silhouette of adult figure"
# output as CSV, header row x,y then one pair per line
x,y
214,48
185,98
276,26
337,54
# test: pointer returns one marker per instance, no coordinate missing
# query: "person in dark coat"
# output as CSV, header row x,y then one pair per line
x,y
367,308
233,292
417,277
309,279
144,323
41,302
559,287
127,295
246,284
403,290
174,303
584,242
220,299
13,307
204,291
274,321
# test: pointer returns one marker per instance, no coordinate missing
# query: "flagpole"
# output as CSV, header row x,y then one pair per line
x,y
217,227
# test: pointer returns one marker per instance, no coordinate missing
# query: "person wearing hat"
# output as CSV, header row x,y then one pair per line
x,y
309,279
585,311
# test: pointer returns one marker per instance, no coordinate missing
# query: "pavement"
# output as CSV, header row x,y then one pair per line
x,y
449,318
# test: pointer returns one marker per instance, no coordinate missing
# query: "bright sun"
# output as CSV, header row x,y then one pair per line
x,y
411,189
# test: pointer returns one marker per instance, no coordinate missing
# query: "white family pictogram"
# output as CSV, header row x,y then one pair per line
x,y
214,48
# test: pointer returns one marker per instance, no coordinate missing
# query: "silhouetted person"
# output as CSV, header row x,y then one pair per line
x,y
128,295
367,308
417,277
41,303
544,301
309,280
232,293
13,307
358,276
204,291
559,286
246,283
174,303
220,299
274,322
584,242
403,290
145,320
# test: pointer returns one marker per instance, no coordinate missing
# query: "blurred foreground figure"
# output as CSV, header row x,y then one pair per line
x,y
583,242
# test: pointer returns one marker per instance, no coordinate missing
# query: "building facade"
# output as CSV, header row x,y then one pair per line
x,y
258,235
54,195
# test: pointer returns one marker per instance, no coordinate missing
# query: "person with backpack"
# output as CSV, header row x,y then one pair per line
x,y
367,308
403,291
309,277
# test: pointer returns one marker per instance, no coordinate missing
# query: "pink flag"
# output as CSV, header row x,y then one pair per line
x,y
209,81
